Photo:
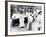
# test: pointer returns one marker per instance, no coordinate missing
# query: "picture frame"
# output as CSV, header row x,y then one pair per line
x,y
9,31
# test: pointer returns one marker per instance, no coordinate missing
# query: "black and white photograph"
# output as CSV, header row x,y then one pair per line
x,y
25,18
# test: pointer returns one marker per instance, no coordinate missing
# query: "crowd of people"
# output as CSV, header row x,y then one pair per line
x,y
32,16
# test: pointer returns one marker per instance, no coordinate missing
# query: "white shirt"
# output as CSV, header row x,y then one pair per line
x,y
15,16
30,18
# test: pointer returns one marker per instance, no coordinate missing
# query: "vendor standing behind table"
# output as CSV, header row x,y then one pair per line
x,y
30,18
